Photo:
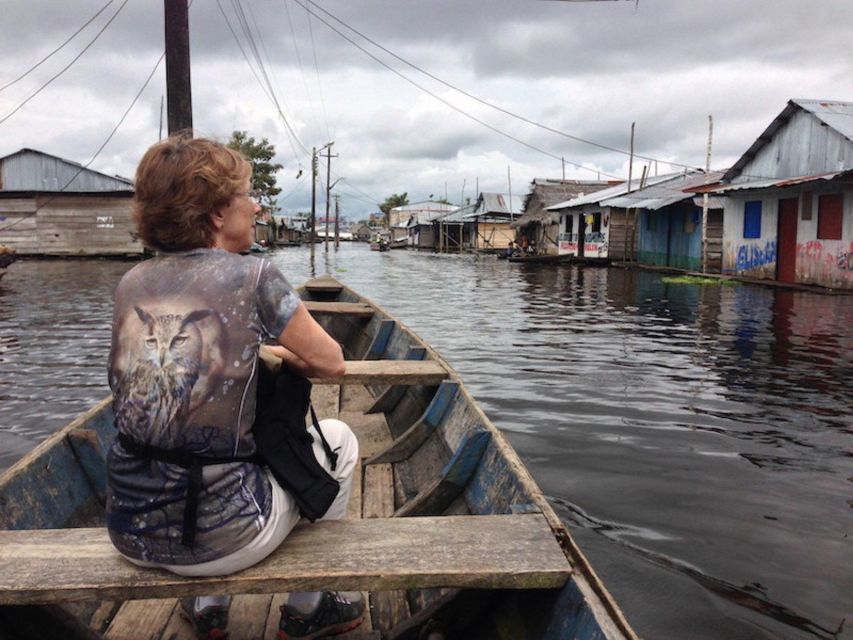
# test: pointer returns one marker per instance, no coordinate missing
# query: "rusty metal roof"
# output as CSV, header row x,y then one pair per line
x,y
775,183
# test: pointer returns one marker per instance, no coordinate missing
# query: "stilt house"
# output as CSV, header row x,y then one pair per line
x,y
55,207
540,225
592,228
789,208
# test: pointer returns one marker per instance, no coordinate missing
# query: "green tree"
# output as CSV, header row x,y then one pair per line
x,y
394,200
260,155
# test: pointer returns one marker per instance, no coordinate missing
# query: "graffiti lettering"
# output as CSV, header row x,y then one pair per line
x,y
751,256
813,249
845,259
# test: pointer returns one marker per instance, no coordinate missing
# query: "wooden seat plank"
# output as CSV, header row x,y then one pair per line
x,y
360,309
324,285
489,552
388,372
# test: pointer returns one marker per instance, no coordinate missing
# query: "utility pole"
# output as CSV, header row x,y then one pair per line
x,y
337,221
313,200
178,90
509,185
630,172
329,157
314,163
705,198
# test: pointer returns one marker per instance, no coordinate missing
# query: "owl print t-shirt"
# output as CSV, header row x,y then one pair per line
x,y
186,332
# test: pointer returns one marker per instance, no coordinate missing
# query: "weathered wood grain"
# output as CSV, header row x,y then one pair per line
x,y
388,372
339,308
389,607
323,285
504,551
140,619
355,398
372,432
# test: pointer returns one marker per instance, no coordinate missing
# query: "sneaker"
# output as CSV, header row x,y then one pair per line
x,y
209,623
334,615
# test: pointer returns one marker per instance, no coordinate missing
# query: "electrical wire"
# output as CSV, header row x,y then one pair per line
x,y
267,89
101,148
449,104
494,106
302,74
317,71
66,67
49,55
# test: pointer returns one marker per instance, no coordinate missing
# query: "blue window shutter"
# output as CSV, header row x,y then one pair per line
x,y
752,219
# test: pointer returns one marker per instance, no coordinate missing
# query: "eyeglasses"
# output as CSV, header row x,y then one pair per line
x,y
254,195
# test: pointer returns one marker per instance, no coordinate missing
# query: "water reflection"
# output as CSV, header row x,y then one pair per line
x,y
697,439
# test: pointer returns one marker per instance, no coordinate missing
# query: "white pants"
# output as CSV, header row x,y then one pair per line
x,y
284,513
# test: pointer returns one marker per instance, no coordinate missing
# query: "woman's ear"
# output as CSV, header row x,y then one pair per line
x,y
217,219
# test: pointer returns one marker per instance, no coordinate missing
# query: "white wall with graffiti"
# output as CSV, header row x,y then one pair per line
x,y
824,251
589,224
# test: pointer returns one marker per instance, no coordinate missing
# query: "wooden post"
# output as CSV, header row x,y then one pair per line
x,y
178,90
705,199
313,200
337,221
328,192
630,173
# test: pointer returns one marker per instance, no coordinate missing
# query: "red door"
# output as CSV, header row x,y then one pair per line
x,y
786,251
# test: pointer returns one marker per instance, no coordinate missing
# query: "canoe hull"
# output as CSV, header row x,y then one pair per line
x,y
446,458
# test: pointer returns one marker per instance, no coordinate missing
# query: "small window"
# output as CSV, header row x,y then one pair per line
x,y
570,224
829,209
650,221
752,219
596,223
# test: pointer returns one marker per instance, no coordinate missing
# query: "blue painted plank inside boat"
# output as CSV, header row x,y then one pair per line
x,y
461,466
441,402
380,341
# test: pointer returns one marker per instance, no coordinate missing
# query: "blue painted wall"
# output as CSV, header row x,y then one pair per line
x,y
667,239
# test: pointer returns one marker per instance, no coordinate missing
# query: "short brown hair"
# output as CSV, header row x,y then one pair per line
x,y
180,182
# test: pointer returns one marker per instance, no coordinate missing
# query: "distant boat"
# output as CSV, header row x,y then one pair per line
x,y
379,243
447,529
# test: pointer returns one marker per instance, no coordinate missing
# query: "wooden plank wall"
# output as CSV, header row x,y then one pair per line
x,y
69,225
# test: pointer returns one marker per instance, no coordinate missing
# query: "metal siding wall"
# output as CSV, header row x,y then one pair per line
x,y
802,147
37,172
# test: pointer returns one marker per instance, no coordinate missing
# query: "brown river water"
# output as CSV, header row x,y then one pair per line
x,y
697,440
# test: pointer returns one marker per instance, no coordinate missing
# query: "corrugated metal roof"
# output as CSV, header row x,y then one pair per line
x,y
838,115
426,206
835,114
31,170
612,192
776,183
658,196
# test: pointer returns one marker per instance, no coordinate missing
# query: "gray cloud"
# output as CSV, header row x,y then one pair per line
x,y
588,69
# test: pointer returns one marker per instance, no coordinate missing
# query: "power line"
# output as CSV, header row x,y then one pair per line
x,y
449,104
317,71
101,148
49,55
66,67
302,75
268,90
489,104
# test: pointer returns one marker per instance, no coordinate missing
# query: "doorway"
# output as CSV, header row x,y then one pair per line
x,y
786,251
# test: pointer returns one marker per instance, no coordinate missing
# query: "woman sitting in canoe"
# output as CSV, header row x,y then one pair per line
x,y
185,492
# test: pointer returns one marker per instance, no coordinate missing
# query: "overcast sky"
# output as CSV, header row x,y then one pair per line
x,y
586,69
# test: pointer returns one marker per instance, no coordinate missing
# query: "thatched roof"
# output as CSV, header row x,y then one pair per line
x,y
545,192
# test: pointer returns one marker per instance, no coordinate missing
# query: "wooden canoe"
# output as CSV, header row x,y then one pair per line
x,y
447,530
